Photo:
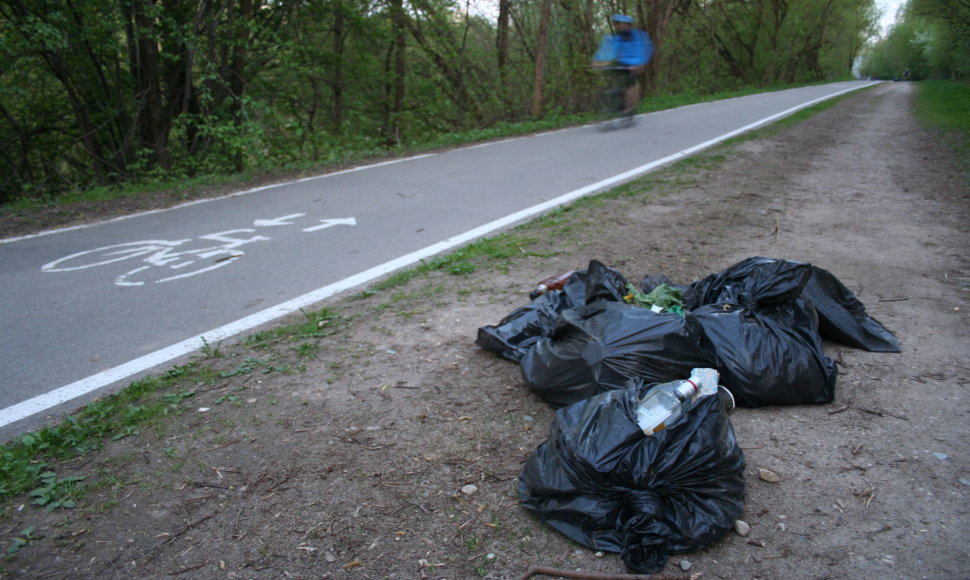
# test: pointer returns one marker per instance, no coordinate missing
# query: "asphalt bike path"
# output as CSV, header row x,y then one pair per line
x,y
94,306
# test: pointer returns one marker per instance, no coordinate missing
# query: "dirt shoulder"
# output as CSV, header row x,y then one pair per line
x,y
350,455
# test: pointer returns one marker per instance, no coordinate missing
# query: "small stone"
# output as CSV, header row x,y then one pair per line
x,y
768,475
742,528
599,554
469,489
685,565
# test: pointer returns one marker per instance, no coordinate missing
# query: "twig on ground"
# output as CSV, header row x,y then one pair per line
x,y
188,569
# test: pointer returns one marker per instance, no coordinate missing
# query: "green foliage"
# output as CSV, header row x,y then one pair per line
x,y
23,539
931,41
99,93
943,105
55,492
25,462
251,365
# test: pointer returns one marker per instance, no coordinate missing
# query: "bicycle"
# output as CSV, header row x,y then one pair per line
x,y
160,255
613,98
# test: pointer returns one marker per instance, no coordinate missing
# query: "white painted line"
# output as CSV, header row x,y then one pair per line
x,y
84,386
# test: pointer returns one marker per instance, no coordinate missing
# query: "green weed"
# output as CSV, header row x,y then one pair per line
x,y
25,538
56,493
208,351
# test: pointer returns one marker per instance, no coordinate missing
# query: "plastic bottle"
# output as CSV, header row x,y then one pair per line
x,y
664,403
553,283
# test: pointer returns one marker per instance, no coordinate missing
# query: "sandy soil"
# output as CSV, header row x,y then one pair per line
x,y
355,466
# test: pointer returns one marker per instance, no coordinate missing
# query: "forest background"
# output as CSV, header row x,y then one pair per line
x,y
128,94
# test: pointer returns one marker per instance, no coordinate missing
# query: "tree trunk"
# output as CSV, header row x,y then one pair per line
x,y
237,72
657,16
151,120
337,86
398,69
540,69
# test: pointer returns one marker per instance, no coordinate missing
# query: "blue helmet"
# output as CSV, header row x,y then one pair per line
x,y
622,18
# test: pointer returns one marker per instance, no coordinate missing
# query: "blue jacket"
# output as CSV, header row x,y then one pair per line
x,y
634,50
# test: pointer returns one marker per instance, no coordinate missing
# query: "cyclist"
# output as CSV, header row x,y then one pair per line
x,y
628,51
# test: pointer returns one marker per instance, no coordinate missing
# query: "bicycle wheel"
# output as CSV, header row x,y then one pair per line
x,y
612,101
108,255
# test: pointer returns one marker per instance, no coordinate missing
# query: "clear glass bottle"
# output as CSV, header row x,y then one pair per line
x,y
664,403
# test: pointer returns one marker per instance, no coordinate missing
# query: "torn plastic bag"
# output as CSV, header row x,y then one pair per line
x,y
600,481
602,345
517,332
842,317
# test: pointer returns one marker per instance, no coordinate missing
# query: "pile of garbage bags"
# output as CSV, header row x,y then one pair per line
x,y
598,344
760,323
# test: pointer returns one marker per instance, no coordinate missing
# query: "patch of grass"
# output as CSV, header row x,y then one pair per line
x,y
308,350
26,461
318,324
944,105
464,261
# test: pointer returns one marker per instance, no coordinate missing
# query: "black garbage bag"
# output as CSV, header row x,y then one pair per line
x,y
842,317
604,344
518,331
604,283
765,280
765,333
600,481
771,357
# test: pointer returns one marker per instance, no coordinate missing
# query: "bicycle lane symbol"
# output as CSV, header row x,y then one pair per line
x,y
169,260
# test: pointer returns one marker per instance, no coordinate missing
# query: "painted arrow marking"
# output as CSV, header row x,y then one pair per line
x,y
280,221
332,222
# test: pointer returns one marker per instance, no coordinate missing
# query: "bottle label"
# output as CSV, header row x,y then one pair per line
x,y
652,419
